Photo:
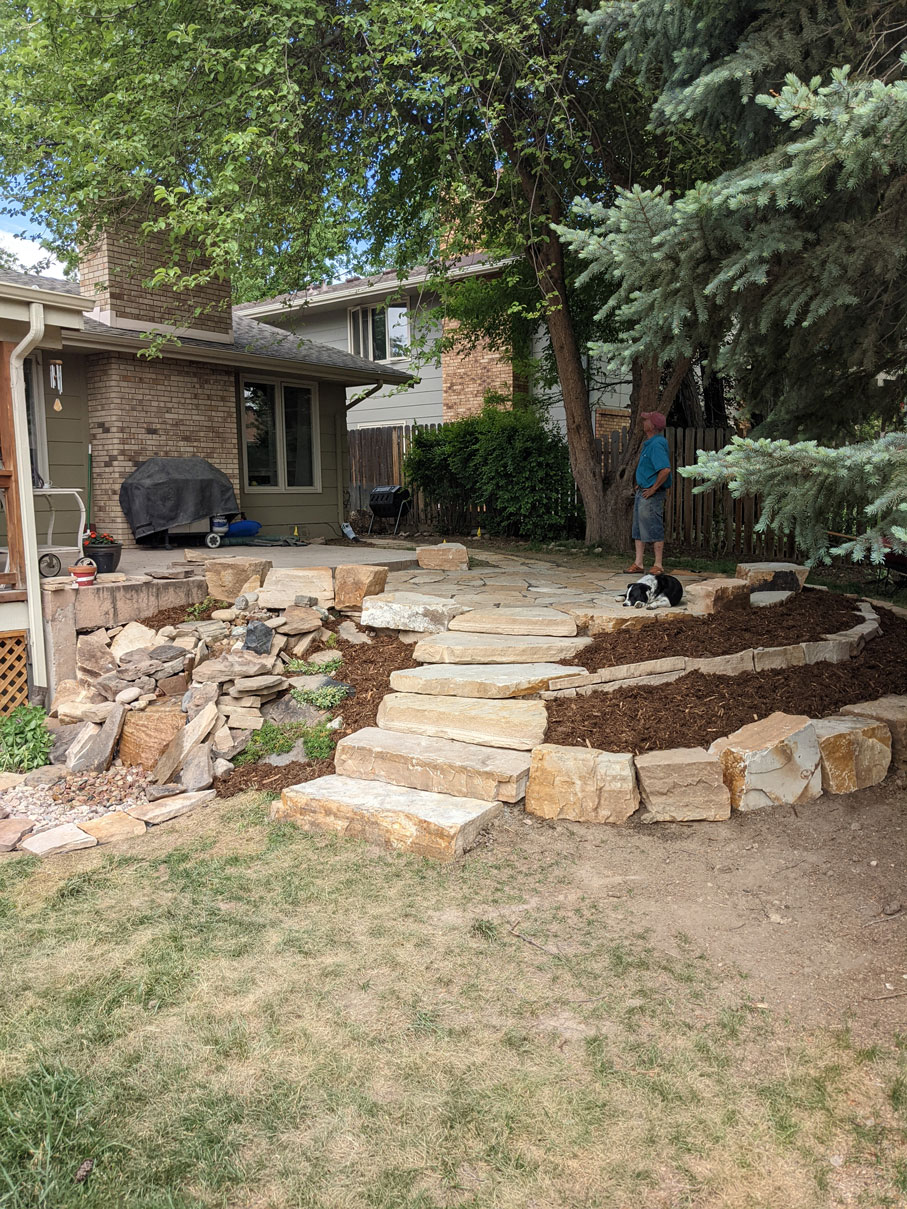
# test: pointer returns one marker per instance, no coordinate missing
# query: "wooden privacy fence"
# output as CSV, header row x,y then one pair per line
x,y
712,523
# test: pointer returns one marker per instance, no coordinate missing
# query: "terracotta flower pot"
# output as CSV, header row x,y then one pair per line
x,y
83,576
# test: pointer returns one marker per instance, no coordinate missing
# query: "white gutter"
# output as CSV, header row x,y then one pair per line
x,y
26,499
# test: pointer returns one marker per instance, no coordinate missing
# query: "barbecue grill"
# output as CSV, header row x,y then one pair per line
x,y
387,502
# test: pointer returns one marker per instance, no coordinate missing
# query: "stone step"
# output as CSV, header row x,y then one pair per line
x,y
480,679
490,774
536,621
518,725
435,825
494,648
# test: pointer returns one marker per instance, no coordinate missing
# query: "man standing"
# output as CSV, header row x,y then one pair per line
x,y
653,478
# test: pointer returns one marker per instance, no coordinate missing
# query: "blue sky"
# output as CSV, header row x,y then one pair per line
x,y
25,250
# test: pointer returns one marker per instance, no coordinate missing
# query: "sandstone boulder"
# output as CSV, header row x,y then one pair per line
x,y
283,584
682,784
582,784
353,583
185,740
133,637
448,556
93,656
772,577
772,762
225,578
12,830
146,734
114,826
892,711
715,596
855,753
170,808
56,840
409,611
96,756
298,620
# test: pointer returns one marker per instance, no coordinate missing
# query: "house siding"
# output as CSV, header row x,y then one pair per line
x,y
421,403
314,514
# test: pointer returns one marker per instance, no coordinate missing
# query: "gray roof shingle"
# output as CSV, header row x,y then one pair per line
x,y
258,340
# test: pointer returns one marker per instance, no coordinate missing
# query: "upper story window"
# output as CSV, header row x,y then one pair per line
x,y
379,333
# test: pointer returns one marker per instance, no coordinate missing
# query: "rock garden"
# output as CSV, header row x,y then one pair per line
x,y
410,707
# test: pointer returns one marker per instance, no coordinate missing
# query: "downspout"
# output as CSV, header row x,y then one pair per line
x,y
26,499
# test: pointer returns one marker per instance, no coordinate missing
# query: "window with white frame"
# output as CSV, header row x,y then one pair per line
x,y
379,333
280,436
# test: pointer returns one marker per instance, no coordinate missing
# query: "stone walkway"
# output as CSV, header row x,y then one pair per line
x,y
454,737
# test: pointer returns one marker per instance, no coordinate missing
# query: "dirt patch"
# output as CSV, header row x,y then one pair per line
x,y
697,709
805,617
268,778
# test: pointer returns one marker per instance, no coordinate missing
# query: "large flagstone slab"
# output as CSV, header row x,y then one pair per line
x,y
518,725
480,679
436,825
412,611
469,770
494,648
533,621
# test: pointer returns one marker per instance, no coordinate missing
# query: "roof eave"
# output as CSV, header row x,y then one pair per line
x,y
238,358
319,302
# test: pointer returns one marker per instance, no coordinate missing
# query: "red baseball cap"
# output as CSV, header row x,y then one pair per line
x,y
656,419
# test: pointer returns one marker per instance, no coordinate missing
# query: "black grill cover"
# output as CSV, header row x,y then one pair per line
x,y
164,492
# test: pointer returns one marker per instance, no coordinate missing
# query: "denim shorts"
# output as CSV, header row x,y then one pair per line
x,y
649,517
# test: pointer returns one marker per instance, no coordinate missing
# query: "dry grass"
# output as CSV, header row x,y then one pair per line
x,y
229,1013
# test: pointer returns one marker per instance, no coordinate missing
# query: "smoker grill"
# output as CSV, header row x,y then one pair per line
x,y
387,502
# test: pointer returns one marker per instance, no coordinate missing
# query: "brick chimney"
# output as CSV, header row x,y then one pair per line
x,y
113,270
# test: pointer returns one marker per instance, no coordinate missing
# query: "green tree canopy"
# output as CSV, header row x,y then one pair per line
x,y
284,139
790,264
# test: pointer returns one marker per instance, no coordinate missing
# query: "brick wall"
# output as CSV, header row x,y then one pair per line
x,y
114,267
610,419
467,375
162,408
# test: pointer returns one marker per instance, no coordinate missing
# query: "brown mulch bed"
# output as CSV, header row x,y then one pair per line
x,y
805,617
696,709
178,613
368,669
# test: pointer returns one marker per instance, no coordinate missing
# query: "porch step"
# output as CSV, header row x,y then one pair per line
x,y
492,648
435,765
517,725
480,679
536,621
436,825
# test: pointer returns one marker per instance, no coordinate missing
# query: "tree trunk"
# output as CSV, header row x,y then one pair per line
x,y
714,400
585,461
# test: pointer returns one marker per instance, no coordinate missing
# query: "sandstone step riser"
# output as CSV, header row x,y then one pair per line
x,y
513,725
530,621
491,648
495,681
435,765
438,826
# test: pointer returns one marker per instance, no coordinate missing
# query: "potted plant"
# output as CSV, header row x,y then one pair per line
x,y
104,550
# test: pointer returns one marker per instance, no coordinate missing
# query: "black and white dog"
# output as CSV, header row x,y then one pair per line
x,y
653,592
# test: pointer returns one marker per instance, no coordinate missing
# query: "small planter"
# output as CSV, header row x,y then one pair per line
x,y
105,555
83,574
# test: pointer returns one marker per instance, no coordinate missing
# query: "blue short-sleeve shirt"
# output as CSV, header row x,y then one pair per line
x,y
653,457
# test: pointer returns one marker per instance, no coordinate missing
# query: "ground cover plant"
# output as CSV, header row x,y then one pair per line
x,y
277,738
240,1014
25,741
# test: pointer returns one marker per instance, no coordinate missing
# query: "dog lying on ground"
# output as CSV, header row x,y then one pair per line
x,y
653,592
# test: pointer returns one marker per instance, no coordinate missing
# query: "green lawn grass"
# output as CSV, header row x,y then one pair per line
x,y
238,1014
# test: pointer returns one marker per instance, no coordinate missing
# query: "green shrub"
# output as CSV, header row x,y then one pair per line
x,y
25,741
513,463
316,669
